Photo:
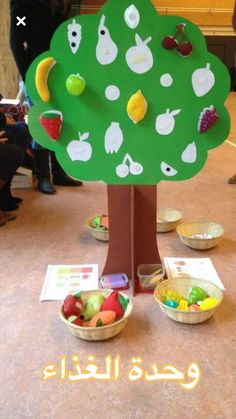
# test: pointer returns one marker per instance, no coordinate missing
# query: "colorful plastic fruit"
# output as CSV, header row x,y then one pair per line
x,y
75,320
72,306
75,84
209,303
194,307
196,294
92,307
183,305
170,303
103,318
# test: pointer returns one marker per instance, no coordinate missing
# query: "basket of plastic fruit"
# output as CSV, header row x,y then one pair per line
x,y
91,322
188,300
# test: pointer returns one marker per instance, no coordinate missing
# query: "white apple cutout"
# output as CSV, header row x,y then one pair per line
x,y
203,80
132,16
113,138
74,35
165,122
139,58
106,49
189,155
79,149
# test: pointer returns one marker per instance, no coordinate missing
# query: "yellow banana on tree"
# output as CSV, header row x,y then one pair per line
x,y
41,77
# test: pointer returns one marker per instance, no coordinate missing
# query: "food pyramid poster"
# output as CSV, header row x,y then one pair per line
x,y
129,97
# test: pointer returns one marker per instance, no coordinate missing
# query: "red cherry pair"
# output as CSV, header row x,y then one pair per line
x,y
184,48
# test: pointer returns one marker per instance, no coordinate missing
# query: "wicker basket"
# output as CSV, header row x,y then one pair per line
x,y
97,233
187,231
98,333
167,219
183,286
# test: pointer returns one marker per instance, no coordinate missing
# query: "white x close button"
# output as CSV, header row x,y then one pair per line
x,y
21,21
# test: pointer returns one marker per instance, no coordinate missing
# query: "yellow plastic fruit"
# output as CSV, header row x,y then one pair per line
x,y
183,305
209,303
41,77
137,107
173,295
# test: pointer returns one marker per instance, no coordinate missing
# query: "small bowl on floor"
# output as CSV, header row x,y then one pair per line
x,y
98,232
200,235
102,332
183,286
167,219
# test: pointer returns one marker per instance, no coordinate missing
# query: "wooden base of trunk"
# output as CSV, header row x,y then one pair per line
x,y
132,230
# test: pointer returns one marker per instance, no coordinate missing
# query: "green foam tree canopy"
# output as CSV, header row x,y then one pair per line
x,y
129,97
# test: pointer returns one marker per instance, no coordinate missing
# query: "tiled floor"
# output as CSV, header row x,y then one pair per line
x,y
51,230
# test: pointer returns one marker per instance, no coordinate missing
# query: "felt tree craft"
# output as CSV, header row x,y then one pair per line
x,y
129,97
129,106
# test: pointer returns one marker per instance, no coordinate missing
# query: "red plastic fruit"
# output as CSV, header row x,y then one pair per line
x,y
112,303
169,42
72,306
185,48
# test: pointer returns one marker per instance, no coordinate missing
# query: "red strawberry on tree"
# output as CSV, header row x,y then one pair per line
x,y
52,123
112,303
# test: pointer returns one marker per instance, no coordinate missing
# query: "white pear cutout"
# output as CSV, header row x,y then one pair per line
x,y
113,138
165,122
189,155
139,58
132,16
79,149
74,35
167,169
106,49
203,80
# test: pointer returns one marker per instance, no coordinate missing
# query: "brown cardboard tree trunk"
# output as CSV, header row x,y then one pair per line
x,y
132,229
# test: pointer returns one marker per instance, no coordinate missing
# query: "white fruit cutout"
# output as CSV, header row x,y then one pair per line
x,y
79,149
132,16
165,122
112,92
166,80
189,155
203,80
123,169
167,169
139,58
74,35
106,49
113,138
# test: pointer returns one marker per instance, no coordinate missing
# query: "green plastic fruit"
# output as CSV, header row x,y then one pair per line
x,y
196,294
92,306
75,84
